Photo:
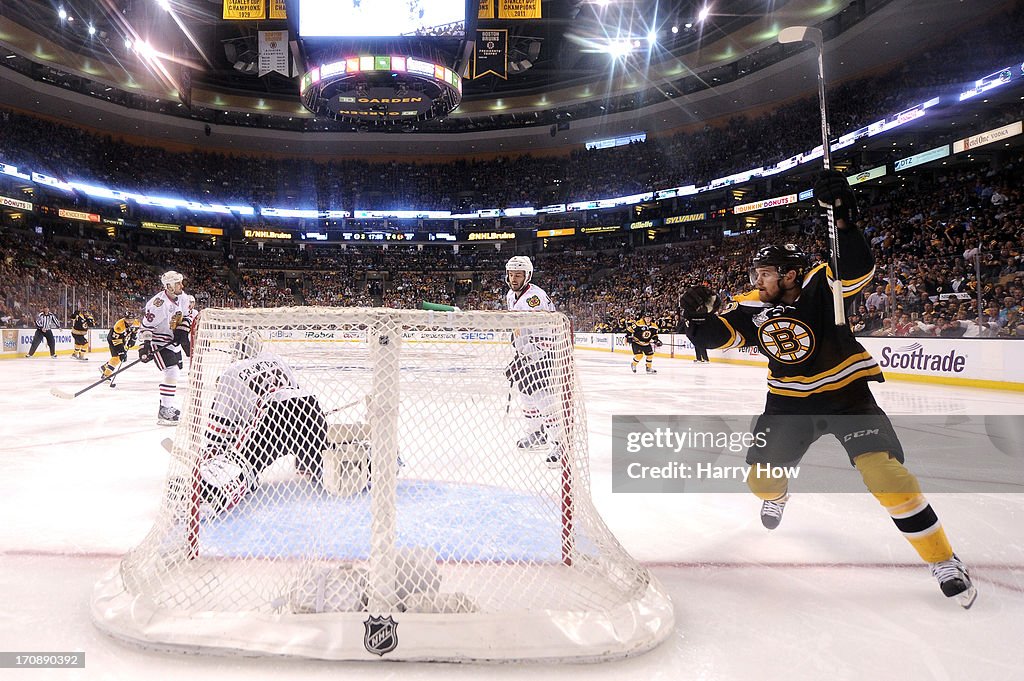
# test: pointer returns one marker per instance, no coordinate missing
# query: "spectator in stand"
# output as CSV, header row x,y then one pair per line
x,y
876,301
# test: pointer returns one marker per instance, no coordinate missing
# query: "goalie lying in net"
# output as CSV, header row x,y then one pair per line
x,y
260,413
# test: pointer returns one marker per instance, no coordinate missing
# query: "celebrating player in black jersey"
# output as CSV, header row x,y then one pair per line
x,y
818,378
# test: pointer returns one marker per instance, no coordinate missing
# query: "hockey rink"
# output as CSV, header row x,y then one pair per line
x,y
834,593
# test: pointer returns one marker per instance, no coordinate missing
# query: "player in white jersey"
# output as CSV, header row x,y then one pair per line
x,y
166,323
260,413
530,369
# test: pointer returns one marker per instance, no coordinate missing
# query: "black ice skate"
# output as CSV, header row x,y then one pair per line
x,y
771,512
955,581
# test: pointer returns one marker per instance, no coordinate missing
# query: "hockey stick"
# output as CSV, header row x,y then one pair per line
x,y
794,34
65,395
113,376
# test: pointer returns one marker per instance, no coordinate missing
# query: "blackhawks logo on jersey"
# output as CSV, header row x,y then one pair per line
x,y
786,339
533,301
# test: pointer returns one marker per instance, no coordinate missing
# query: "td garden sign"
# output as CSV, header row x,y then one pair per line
x,y
381,103
381,90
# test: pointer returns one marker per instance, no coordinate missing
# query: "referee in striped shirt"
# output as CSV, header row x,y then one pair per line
x,y
46,322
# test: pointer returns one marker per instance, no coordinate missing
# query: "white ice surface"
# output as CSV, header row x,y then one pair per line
x,y
834,593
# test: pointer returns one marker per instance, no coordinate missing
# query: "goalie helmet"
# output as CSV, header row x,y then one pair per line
x,y
518,263
171,277
248,345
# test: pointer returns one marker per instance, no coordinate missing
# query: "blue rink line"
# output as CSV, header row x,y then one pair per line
x,y
460,522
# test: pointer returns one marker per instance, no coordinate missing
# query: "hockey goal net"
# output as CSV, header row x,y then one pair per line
x,y
355,483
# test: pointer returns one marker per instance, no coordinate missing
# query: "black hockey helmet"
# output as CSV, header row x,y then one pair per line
x,y
786,257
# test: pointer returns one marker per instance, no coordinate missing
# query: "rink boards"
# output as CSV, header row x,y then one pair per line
x,y
975,362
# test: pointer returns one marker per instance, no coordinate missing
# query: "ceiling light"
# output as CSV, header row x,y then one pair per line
x,y
92,30
675,29
704,12
62,13
128,43
652,37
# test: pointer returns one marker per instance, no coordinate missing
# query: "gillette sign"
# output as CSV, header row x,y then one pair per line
x,y
914,357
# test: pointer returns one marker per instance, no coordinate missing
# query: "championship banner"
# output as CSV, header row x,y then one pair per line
x,y
278,9
273,52
245,9
486,10
490,52
519,9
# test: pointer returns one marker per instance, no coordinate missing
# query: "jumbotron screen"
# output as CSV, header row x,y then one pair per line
x,y
382,18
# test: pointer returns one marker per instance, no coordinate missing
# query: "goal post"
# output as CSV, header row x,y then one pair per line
x,y
351,484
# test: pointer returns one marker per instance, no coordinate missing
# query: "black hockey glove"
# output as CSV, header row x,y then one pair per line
x,y
833,189
697,302
658,343
146,351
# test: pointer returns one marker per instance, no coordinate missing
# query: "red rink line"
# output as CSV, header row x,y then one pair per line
x,y
653,564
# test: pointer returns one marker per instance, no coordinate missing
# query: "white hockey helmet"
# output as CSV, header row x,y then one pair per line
x,y
519,263
171,277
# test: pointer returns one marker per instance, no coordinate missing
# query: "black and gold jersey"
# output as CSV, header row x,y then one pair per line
x,y
122,333
809,357
641,332
83,322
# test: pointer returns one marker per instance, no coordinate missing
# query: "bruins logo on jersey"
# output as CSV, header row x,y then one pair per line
x,y
786,339
533,301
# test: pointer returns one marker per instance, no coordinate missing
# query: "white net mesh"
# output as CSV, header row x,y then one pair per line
x,y
333,464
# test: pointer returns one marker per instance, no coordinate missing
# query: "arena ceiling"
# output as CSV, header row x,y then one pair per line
x,y
564,78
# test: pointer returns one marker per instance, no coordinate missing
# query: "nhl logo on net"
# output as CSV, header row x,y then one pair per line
x,y
381,635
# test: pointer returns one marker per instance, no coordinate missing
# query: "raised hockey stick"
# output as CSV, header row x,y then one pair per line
x,y
795,34
65,395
